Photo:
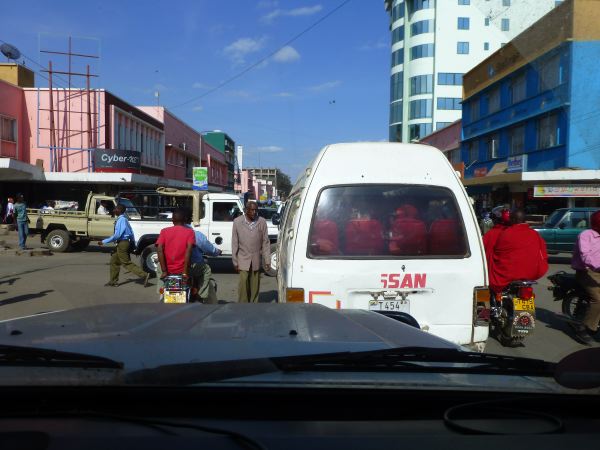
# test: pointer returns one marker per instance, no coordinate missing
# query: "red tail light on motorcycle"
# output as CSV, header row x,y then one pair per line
x,y
526,292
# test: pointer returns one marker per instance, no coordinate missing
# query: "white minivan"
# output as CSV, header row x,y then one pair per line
x,y
389,227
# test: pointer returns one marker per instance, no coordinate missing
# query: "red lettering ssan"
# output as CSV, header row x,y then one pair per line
x,y
420,280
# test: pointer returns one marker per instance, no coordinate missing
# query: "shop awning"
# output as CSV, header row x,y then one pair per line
x,y
15,170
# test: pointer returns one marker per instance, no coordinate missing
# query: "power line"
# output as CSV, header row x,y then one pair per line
x,y
265,58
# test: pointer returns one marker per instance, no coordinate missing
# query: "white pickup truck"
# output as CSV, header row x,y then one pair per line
x,y
213,214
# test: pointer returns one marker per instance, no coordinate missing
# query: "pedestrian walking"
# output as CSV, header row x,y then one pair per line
x,y
123,236
10,211
250,242
586,262
20,212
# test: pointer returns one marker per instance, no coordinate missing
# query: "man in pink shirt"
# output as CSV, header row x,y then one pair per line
x,y
586,261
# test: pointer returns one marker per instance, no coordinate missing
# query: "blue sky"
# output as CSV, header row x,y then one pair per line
x,y
330,85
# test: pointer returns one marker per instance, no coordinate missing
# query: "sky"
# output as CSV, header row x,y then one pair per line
x,y
329,85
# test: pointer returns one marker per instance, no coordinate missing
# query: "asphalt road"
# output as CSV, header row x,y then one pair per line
x,y
33,284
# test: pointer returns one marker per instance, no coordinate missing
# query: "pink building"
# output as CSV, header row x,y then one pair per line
x,y
182,144
246,183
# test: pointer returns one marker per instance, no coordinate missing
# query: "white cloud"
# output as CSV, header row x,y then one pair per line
x,y
198,85
286,54
296,12
269,149
238,50
198,108
284,94
325,86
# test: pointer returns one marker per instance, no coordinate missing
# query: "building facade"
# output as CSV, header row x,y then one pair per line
x,y
530,133
434,42
223,143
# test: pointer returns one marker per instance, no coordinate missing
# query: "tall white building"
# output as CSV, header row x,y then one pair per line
x,y
433,43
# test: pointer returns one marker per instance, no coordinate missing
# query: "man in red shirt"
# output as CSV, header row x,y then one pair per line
x,y
175,246
519,254
501,218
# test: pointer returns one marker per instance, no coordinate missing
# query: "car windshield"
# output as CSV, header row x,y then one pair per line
x,y
427,171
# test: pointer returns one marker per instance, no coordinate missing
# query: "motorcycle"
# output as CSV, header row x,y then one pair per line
x,y
176,289
575,300
512,313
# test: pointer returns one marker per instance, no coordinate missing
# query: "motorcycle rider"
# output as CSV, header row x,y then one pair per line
x,y
175,246
500,217
586,262
519,254
199,269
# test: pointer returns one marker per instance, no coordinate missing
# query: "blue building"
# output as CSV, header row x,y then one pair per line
x,y
531,114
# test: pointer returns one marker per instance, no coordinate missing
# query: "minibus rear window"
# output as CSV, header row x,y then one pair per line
x,y
390,221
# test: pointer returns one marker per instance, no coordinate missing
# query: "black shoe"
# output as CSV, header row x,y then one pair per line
x,y
583,334
111,284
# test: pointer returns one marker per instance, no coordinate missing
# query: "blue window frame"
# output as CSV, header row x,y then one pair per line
x,y
486,45
421,84
462,48
420,109
463,23
487,21
398,57
449,103
449,79
397,86
419,130
421,51
464,2
398,34
505,25
420,27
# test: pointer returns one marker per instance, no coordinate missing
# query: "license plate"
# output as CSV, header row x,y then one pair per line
x,y
175,297
524,305
390,305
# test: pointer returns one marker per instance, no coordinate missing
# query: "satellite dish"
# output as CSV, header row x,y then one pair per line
x,y
10,51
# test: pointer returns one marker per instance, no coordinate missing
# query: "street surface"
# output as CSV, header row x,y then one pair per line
x,y
35,284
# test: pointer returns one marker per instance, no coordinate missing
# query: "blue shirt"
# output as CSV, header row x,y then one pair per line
x,y
203,246
123,231
21,212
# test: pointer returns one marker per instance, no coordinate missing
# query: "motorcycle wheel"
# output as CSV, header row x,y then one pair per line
x,y
503,335
575,306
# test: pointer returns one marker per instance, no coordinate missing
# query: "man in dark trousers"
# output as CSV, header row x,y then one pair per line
x,y
250,241
124,238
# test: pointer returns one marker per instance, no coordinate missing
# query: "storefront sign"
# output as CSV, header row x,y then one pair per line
x,y
480,172
517,164
200,178
111,160
572,190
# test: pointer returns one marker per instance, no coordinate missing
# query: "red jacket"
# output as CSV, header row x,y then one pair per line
x,y
489,241
519,254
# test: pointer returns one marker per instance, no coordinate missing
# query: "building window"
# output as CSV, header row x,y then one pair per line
x,y
398,12
421,84
418,5
505,2
462,48
475,110
398,34
547,131
449,103
473,151
464,2
419,130
397,86
516,140
505,25
440,125
420,109
398,57
421,51
463,23
8,129
486,45
492,146
450,79
550,74
518,89
487,22
396,133
494,101
453,155
396,112
423,26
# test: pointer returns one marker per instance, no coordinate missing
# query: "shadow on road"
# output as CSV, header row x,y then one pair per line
x,y
267,297
559,259
10,281
25,297
558,322
221,265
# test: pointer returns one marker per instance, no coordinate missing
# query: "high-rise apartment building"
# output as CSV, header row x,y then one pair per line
x,y
434,42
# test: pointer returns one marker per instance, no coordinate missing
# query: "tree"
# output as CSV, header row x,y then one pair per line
x,y
284,184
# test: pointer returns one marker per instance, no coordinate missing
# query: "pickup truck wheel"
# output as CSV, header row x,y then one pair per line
x,y
58,241
150,259
273,262
81,244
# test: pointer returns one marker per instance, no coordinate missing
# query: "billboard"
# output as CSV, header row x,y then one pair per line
x,y
111,160
200,178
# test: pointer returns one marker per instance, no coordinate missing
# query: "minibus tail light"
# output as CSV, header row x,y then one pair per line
x,y
481,306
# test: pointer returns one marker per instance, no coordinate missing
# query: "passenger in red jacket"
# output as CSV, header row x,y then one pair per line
x,y
519,254
501,218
